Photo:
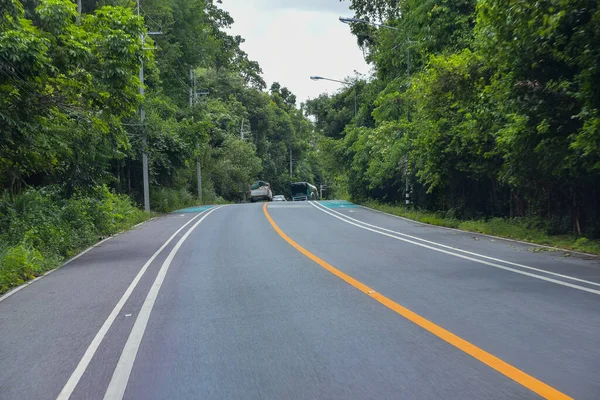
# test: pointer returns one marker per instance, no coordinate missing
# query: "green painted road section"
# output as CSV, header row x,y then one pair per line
x,y
191,210
338,204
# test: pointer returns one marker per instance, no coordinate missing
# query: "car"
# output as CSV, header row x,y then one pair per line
x,y
260,190
279,197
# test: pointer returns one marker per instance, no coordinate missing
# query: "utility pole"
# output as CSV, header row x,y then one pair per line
x,y
144,146
407,188
194,100
191,87
145,138
195,93
142,119
243,130
79,9
199,173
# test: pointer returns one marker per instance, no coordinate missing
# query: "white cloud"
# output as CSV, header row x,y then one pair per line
x,y
293,40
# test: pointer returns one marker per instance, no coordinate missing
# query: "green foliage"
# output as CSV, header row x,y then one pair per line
x,y
69,96
39,228
165,200
71,137
19,264
498,116
237,165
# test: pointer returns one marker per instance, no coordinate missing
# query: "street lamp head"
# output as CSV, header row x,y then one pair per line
x,y
315,78
364,21
353,20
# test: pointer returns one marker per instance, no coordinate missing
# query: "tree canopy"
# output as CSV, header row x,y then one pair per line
x,y
481,108
487,108
70,101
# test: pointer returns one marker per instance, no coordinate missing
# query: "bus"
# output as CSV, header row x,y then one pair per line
x,y
303,191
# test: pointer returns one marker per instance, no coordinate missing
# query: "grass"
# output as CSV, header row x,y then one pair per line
x,y
165,200
40,229
525,229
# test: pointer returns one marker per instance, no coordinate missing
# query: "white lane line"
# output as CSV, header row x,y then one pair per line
x,y
91,350
543,278
118,383
505,239
471,253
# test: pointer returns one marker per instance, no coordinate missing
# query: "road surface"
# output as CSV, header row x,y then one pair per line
x,y
305,300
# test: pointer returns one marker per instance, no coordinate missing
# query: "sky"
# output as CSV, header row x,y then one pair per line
x,y
294,39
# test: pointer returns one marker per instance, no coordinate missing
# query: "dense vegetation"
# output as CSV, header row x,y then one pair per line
x,y
482,109
71,136
497,114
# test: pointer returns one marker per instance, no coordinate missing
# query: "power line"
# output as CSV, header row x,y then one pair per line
x,y
180,63
150,18
181,81
18,78
15,69
16,82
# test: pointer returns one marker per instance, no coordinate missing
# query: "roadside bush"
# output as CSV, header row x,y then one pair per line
x,y
39,228
530,229
19,264
166,200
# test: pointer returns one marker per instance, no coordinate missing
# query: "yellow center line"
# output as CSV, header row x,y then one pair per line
x,y
528,381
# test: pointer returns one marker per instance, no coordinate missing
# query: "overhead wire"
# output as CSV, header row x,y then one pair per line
x,y
15,69
177,77
17,77
150,18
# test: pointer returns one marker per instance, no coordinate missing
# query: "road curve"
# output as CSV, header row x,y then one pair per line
x,y
305,300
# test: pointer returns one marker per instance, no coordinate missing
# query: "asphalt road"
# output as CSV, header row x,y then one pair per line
x,y
305,301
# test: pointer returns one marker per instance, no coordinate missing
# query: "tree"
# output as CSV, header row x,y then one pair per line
x,y
64,89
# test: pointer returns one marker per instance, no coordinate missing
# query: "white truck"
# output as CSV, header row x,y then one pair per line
x,y
260,190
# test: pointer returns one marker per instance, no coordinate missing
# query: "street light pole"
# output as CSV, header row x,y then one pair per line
x,y
363,21
318,78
